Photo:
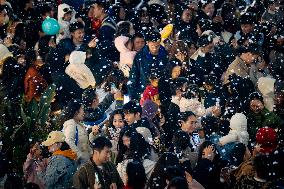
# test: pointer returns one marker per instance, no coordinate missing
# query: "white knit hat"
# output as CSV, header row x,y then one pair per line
x,y
238,122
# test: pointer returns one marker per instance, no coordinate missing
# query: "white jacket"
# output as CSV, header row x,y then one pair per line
x,y
266,87
147,164
235,136
83,148
64,25
238,132
78,71
192,105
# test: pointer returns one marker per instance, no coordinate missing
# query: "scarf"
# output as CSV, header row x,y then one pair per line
x,y
66,153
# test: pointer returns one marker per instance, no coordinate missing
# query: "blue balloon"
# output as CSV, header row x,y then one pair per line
x,y
50,26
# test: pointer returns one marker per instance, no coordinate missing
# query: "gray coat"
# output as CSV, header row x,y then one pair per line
x,y
59,173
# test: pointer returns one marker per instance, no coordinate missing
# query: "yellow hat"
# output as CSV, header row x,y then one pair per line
x,y
54,137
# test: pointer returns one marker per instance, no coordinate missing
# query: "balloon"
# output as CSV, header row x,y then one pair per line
x,y
50,26
166,32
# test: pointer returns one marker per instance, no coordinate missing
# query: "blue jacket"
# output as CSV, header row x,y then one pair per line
x,y
144,62
59,172
105,44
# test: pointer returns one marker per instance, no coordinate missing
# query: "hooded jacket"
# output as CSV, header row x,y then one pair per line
x,y
78,71
64,25
144,63
126,55
238,132
266,87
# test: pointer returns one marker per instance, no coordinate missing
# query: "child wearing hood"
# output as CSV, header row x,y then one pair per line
x,y
66,16
238,132
78,71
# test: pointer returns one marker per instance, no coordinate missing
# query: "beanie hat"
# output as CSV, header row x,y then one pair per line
x,y
4,52
238,122
267,138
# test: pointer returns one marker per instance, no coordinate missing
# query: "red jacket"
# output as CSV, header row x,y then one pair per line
x,y
150,93
34,84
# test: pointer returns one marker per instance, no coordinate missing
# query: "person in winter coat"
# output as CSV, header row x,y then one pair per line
x,y
78,71
207,11
34,82
61,166
65,16
238,132
94,109
151,91
152,57
243,65
124,45
172,72
249,32
107,30
29,168
276,56
184,149
132,113
208,168
205,61
76,42
136,149
76,134
12,73
111,131
262,168
135,176
186,23
98,172
258,116
271,14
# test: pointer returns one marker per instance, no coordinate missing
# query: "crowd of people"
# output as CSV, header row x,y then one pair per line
x,y
149,94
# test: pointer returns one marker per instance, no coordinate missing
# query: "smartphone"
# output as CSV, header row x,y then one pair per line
x,y
196,138
219,11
